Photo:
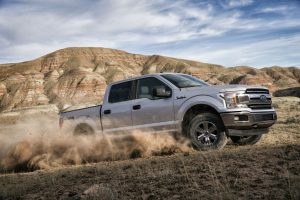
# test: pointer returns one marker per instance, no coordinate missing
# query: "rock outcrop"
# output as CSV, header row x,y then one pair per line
x,y
80,75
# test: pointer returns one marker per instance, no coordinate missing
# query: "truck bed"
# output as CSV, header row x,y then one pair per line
x,y
90,112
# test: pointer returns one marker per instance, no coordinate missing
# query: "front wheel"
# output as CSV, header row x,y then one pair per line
x,y
246,140
206,132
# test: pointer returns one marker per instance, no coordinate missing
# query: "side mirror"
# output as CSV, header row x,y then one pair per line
x,y
161,92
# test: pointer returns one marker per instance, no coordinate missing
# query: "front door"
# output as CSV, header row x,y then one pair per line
x,y
150,112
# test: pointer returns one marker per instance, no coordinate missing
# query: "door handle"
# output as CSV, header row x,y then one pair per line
x,y
106,112
136,107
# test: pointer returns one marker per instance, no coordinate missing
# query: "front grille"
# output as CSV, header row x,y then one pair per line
x,y
257,91
259,98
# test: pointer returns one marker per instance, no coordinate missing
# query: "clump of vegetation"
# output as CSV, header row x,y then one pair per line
x,y
293,120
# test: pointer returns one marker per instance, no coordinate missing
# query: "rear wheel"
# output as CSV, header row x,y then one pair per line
x,y
246,140
206,132
83,129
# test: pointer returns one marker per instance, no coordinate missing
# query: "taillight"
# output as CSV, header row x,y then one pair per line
x,y
61,121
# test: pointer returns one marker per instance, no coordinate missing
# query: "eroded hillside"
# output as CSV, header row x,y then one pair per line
x,y
79,75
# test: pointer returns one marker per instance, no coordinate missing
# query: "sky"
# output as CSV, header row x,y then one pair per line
x,y
257,33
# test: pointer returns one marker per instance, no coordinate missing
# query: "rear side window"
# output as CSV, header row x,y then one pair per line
x,y
120,92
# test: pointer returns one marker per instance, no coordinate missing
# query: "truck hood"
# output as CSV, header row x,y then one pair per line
x,y
216,89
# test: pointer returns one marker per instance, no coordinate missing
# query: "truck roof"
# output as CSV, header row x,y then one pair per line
x,y
142,76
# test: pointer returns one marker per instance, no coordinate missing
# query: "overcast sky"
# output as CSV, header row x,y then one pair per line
x,y
228,32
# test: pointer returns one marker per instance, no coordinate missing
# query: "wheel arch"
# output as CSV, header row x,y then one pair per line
x,y
194,110
83,126
209,101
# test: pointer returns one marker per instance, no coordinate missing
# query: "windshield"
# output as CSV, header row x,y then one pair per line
x,y
184,81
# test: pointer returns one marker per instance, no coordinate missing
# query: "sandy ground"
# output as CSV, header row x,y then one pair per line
x,y
268,170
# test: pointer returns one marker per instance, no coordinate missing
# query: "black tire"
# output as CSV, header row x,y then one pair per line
x,y
83,129
245,140
206,132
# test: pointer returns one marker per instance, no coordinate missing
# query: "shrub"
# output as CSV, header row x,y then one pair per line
x,y
294,119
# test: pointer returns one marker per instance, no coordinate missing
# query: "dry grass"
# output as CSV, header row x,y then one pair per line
x,y
268,170
287,128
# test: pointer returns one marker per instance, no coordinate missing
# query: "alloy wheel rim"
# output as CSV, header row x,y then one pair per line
x,y
206,133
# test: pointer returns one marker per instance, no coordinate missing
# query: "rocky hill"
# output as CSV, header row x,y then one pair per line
x,y
79,75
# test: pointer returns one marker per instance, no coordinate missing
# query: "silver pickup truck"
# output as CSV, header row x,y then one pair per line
x,y
174,102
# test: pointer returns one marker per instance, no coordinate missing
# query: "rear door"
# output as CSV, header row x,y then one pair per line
x,y
149,112
116,112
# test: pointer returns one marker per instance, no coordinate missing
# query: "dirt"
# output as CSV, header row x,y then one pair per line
x,y
236,172
268,170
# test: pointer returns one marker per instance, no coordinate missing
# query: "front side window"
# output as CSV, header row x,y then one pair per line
x,y
146,87
184,81
120,92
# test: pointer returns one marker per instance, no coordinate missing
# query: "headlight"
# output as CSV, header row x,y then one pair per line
x,y
236,100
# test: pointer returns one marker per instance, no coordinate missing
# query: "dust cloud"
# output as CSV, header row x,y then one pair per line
x,y
38,143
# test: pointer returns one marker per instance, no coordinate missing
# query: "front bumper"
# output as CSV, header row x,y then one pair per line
x,y
248,123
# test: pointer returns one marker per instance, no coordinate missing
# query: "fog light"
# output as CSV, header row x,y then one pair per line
x,y
236,118
240,118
